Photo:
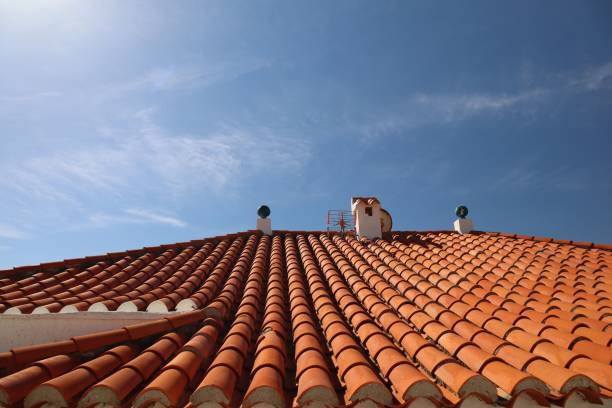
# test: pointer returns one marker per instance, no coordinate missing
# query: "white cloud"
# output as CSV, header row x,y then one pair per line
x,y
201,75
155,217
7,231
595,78
422,109
143,164
188,76
30,97
460,106
116,163
136,216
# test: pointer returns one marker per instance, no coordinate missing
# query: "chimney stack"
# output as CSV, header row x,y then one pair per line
x,y
367,214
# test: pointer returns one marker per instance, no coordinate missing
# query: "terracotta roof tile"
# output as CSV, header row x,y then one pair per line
x,y
17,385
318,319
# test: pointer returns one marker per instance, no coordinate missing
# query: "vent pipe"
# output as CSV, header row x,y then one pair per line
x,y
462,224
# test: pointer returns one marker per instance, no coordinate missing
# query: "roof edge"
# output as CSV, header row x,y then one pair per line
x,y
114,256
578,244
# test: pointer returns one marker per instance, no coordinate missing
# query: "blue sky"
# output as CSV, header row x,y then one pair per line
x,y
125,124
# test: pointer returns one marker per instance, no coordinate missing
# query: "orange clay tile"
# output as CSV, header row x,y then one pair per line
x,y
115,388
309,319
63,389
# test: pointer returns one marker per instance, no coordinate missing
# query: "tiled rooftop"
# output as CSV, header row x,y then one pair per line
x,y
315,319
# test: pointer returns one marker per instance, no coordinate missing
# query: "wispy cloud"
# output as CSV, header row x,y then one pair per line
x,y
136,216
155,217
460,106
173,77
129,161
422,108
10,232
29,97
143,162
177,163
189,76
527,175
594,78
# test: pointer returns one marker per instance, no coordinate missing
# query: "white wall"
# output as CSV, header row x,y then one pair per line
x,y
26,330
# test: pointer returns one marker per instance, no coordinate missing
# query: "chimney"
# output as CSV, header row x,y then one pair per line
x,y
264,224
462,224
367,214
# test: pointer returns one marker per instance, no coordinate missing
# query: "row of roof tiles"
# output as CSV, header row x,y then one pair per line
x,y
56,266
163,281
322,320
